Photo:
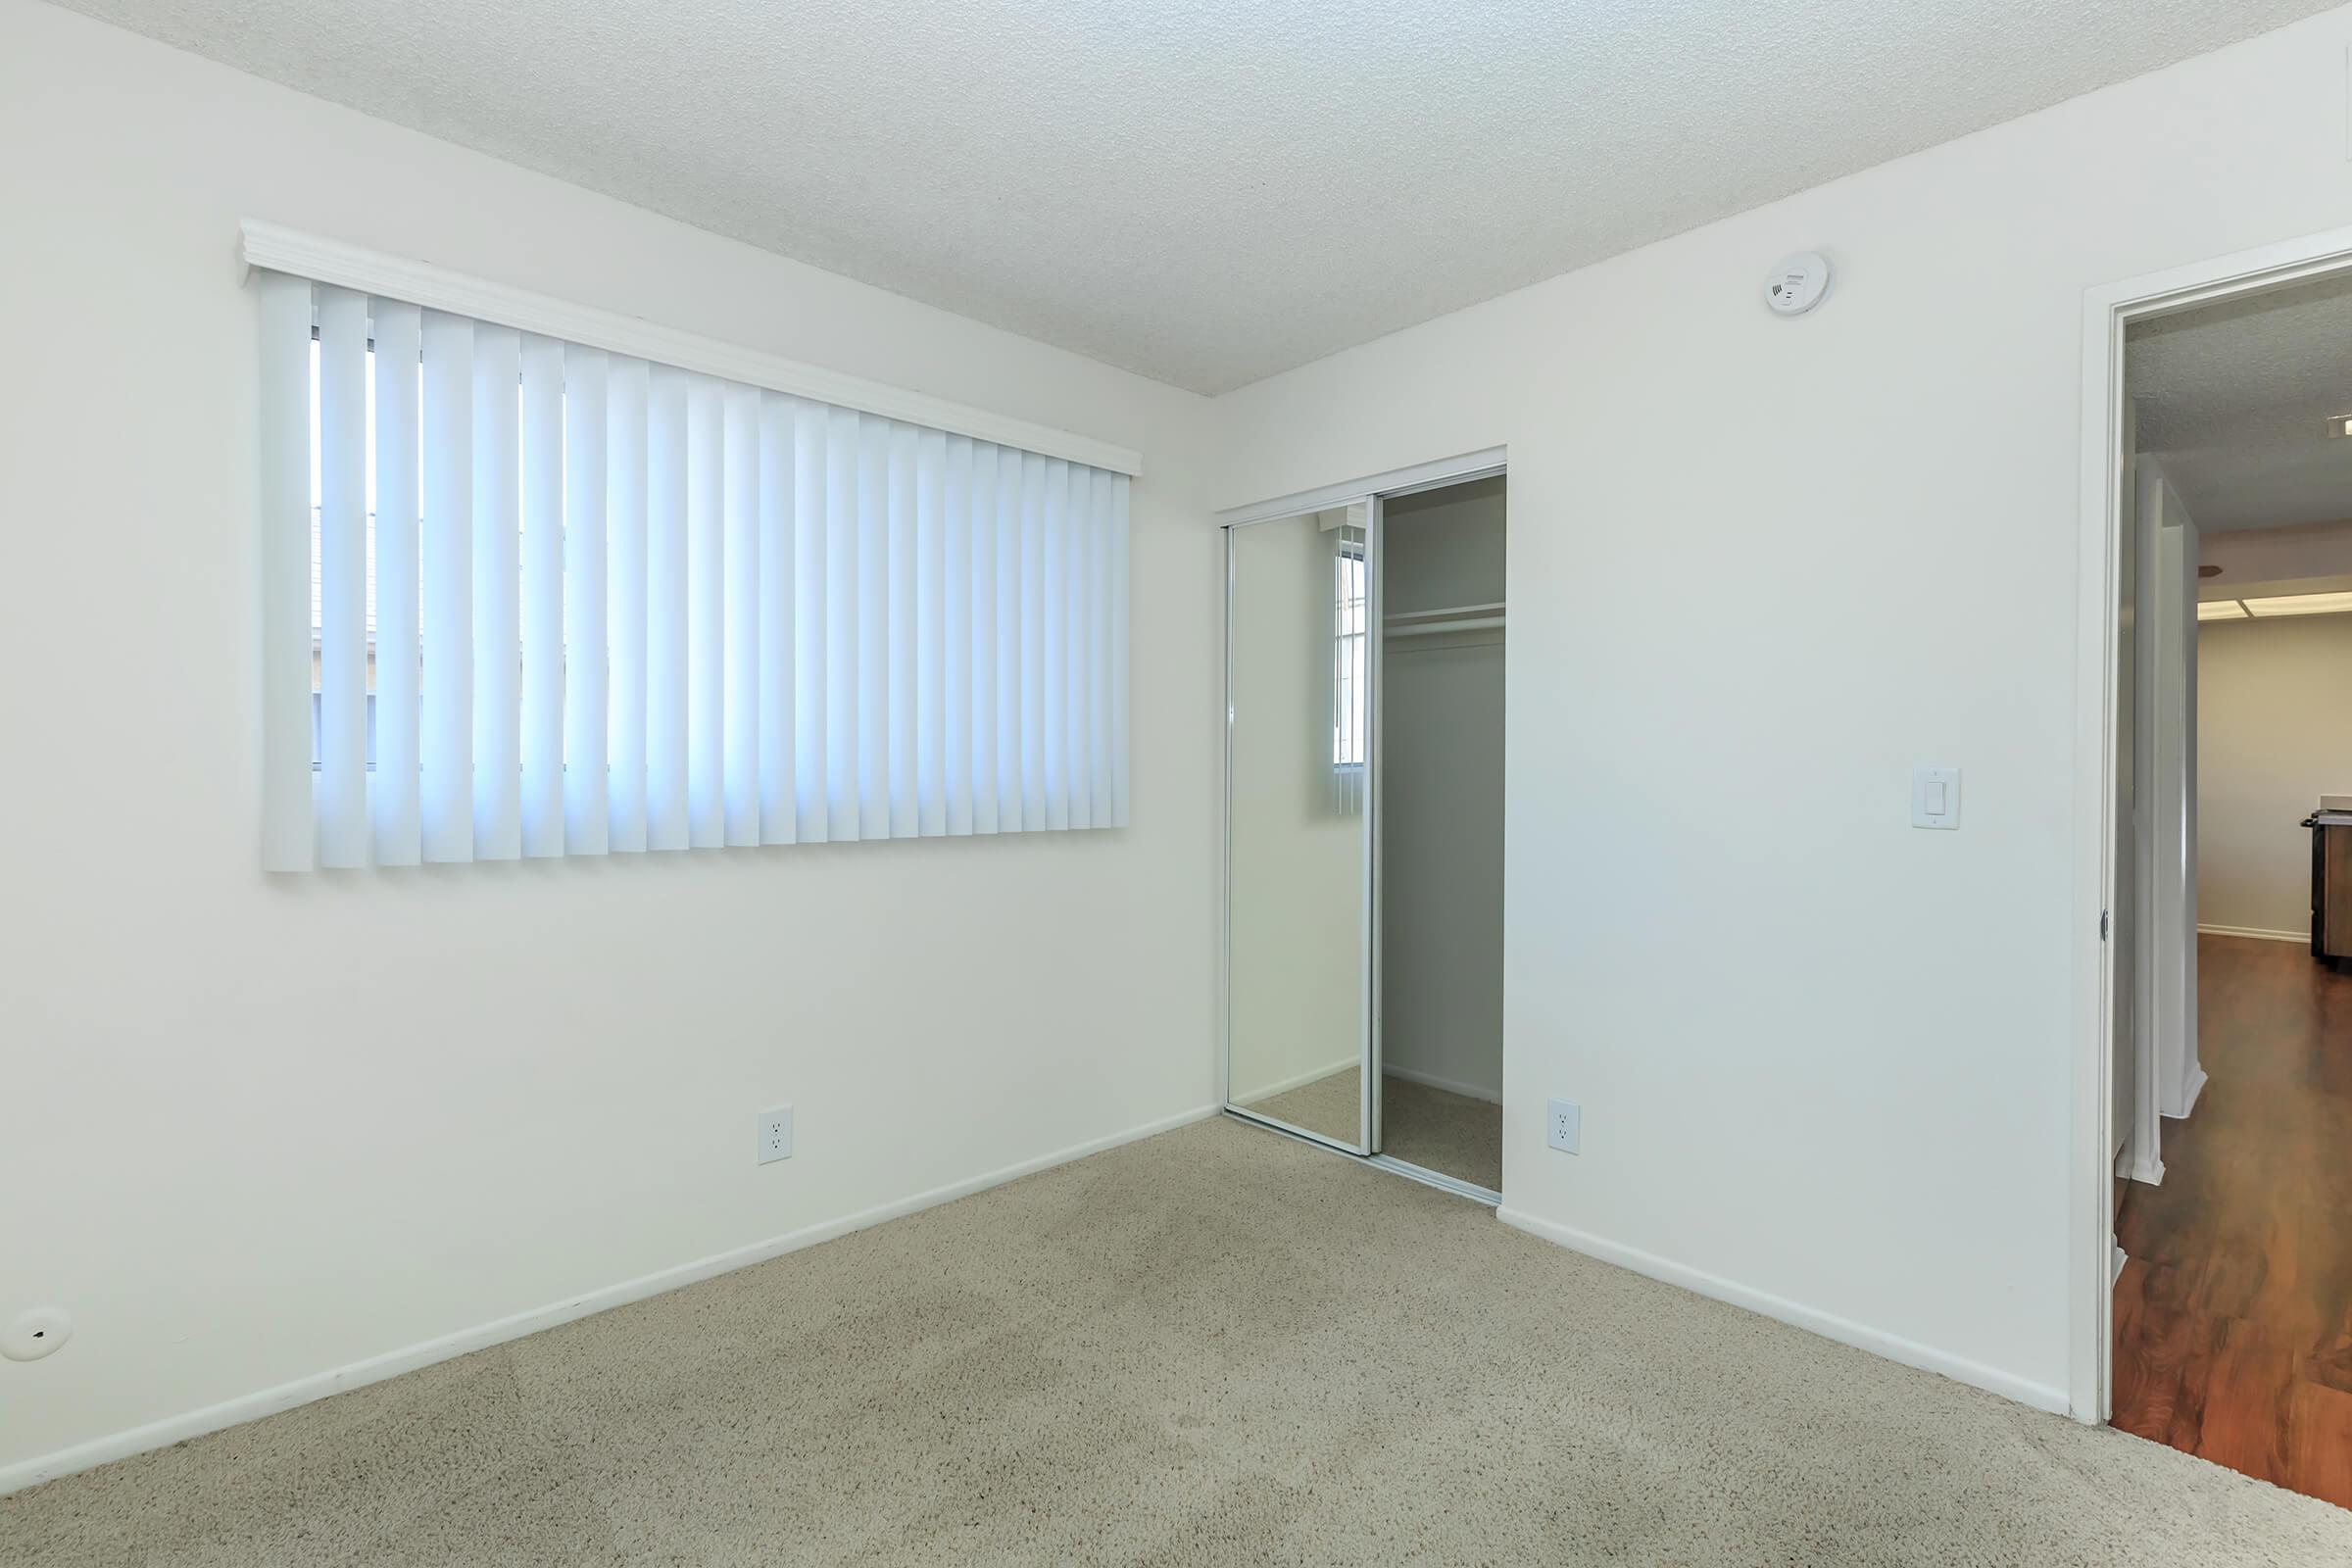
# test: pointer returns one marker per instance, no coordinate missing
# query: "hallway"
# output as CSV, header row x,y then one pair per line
x,y
2233,1315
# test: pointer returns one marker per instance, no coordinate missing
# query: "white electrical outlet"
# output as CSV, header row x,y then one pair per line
x,y
1563,1125
775,1135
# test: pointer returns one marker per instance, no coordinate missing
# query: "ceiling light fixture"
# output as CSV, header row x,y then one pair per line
x,y
2300,605
2220,609
2339,424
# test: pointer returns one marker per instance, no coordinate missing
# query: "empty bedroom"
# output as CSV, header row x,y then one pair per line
x,y
1099,782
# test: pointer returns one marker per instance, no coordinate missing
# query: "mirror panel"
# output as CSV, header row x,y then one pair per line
x,y
1297,682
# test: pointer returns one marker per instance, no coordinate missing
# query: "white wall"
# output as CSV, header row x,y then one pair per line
x,y
2274,733
1441,804
1760,569
254,1129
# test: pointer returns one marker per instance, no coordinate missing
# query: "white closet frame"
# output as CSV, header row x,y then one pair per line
x,y
1371,492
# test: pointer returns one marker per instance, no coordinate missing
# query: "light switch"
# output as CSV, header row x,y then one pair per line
x,y
1935,797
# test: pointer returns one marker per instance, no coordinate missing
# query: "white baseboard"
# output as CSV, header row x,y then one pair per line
x,y
1845,1331
392,1363
2257,932
1413,1075
1285,1086
2196,1087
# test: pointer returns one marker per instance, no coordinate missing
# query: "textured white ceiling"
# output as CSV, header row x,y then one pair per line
x,y
1207,191
2234,400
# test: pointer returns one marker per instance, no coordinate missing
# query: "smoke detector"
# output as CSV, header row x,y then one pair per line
x,y
1797,283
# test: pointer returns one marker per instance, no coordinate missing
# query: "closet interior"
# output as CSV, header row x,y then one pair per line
x,y
1364,675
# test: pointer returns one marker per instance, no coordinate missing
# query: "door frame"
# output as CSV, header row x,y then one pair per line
x,y
1370,492
2108,309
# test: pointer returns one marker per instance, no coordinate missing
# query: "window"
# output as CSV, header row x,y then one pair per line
x,y
633,606
315,706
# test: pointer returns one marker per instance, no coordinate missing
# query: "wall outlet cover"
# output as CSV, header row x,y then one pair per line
x,y
1564,1125
775,1135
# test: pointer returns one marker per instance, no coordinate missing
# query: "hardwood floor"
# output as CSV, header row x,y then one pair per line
x,y
2234,1317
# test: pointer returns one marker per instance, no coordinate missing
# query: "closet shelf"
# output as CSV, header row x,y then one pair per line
x,y
1453,618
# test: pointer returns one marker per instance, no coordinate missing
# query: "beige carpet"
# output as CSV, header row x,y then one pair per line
x,y
1218,1346
1436,1129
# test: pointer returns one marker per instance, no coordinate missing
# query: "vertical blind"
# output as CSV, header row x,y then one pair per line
x,y
604,605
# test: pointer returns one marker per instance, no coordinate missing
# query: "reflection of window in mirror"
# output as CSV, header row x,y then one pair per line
x,y
1348,710
1350,643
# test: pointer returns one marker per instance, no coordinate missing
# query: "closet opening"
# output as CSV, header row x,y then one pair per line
x,y
1364,825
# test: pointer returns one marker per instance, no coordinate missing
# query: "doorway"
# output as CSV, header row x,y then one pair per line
x,y
1365,823
2224,1152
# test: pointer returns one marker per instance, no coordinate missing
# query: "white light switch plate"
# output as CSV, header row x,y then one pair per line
x,y
1935,797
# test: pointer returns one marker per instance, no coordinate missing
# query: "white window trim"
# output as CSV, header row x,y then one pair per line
x,y
328,260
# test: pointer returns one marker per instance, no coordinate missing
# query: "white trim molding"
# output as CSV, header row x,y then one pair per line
x,y
1395,482
2107,308
392,1363
2188,1102
279,249
2257,932
1846,1331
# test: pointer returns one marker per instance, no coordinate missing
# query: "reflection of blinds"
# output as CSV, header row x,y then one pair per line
x,y
1349,729
627,606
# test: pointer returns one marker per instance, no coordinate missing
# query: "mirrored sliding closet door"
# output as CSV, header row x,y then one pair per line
x,y
1299,658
